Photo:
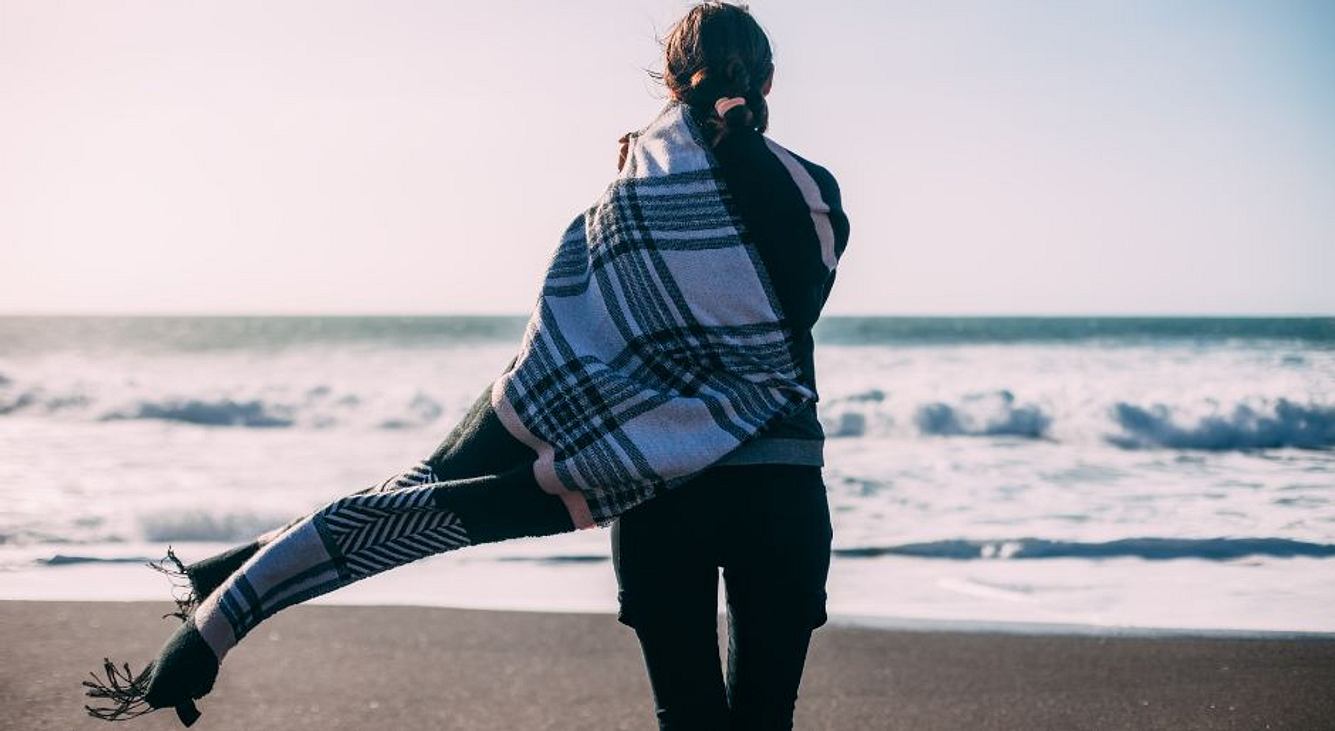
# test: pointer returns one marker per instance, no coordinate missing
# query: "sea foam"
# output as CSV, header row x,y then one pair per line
x,y
1153,549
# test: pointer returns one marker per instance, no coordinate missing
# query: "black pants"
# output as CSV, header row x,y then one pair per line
x,y
768,527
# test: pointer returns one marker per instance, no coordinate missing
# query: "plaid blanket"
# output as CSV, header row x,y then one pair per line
x,y
656,347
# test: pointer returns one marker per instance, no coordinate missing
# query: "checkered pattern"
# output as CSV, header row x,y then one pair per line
x,y
657,345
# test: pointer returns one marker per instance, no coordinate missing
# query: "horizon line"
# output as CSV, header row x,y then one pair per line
x,y
828,315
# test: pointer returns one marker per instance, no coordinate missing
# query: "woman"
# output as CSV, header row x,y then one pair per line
x,y
761,512
672,333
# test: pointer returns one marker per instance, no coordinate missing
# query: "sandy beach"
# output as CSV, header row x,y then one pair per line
x,y
320,667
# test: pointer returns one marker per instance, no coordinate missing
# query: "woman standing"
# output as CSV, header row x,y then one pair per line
x,y
664,378
760,513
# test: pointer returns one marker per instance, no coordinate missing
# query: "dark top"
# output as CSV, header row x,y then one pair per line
x,y
779,201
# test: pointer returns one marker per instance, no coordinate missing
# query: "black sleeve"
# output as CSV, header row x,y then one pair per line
x,y
776,219
829,192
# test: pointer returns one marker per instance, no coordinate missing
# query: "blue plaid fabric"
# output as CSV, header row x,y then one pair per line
x,y
657,345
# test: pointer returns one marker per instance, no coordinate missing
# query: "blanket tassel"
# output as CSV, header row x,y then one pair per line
x,y
184,594
128,694
123,688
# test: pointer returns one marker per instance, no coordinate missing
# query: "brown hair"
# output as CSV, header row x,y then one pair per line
x,y
717,51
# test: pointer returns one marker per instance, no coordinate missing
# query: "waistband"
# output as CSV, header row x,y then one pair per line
x,y
777,450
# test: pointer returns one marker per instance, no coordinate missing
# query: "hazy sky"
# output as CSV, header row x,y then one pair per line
x,y
423,157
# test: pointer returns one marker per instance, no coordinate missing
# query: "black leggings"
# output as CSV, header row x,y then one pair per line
x,y
768,527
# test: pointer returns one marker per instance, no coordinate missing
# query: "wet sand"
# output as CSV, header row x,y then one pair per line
x,y
333,668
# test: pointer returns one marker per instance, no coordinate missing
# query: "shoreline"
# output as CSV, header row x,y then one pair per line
x,y
1274,598
359,667
886,623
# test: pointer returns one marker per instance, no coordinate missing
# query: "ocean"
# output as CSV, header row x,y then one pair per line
x,y
1109,472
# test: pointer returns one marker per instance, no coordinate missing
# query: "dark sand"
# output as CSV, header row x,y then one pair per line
x,y
421,668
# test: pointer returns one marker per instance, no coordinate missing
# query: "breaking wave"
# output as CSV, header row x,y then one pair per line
x,y
224,412
61,559
560,558
1286,424
203,526
1247,423
317,407
987,414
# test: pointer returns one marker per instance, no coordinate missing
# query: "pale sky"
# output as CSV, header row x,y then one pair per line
x,y
423,157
